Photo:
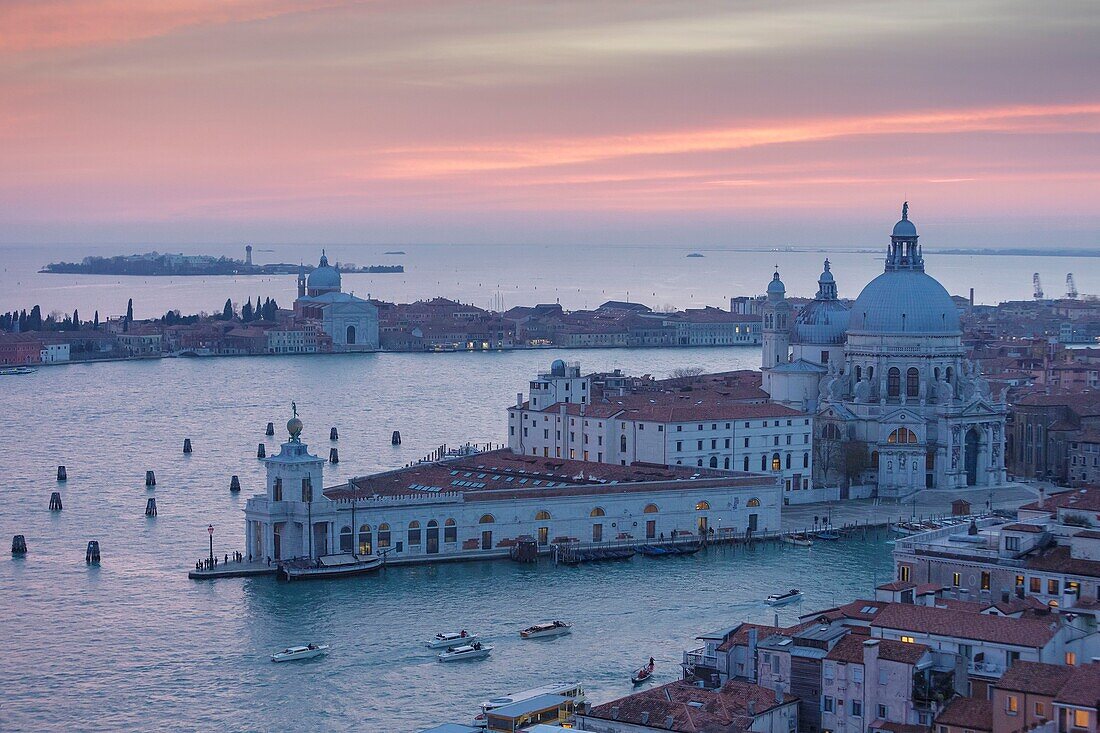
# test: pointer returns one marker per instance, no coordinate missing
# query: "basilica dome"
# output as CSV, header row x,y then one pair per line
x,y
324,279
904,302
824,320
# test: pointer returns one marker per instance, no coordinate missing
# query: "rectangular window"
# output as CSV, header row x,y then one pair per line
x,y
857,709
857,673
277,490
1012,704
1012,544
1035,585
679,445
883,678
1040,710
1081,719
883,712
907,639
828,704
1052,587
904,573
1071,659
985,580
956,579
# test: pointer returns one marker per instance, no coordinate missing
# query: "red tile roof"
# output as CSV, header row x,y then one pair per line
x,y
1036,678
1082,688
1026,632
1021,527
851,649
1059,560
692,709
972,713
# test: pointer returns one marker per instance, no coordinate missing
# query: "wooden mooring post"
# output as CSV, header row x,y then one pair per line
x,y
55,502
61,474
333,455
91,556
333,434
270,429
187,445
395,439
151,507
261,451
150,479
235,483
19,545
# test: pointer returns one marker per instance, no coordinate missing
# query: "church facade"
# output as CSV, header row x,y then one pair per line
x,y
351,322
898,406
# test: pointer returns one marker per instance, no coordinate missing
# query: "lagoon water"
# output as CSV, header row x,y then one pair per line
x,y
134,644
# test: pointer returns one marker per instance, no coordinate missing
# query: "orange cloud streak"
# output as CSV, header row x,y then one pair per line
x,y
442,161
30,25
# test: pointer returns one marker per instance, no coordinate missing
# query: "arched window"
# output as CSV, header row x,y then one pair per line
x,y
831,432
351,335
622,444
702,506
912,382
746,463
788,460
754,502
383,535
893,382
870,372
597,512
450,531
542,515
699,462
726,463
347,539
950,376
874,459
414,532
433,523
650,509
364,540
902,435
763,463
859,372
936,373
486,519
777,463
714,461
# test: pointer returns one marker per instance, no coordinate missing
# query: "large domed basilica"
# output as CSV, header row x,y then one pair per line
x,y
898,406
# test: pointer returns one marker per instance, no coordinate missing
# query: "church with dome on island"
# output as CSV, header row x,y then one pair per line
x,y
898,407
351,322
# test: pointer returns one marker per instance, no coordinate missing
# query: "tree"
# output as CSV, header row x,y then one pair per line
x,y
227,311
95,323
685,375
246,311
23,320
76,319
856,460
828,458
130,309
34,320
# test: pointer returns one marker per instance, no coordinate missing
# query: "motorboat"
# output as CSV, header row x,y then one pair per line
x,y
13,371
294,653
329,566
572,690
828,534
477,650
450,638
643,673
780,599
546,630
798,540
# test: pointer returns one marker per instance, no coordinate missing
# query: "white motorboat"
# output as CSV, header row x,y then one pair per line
x,y
798,540
546,630
451,638
294,653
477,650
780,599
571,690
14,371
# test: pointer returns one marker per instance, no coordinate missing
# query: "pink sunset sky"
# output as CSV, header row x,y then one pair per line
x,y
720,123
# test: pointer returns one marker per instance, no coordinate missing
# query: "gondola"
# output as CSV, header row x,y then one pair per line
x,y
642,674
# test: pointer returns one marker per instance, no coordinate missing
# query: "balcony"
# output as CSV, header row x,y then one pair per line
x,y
701,658
985,668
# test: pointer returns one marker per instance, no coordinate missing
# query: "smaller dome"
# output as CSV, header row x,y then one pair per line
x,y
904,228
557,368
776,285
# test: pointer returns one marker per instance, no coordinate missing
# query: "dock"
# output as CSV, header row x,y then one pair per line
x,y
233,570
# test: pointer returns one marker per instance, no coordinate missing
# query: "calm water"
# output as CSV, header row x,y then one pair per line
x,y
134,644
487,275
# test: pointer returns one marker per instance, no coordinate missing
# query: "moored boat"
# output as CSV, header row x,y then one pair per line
x,y
13,371
779,599
294,653
477,650
828,534
546,630
798,540
451,638
329,566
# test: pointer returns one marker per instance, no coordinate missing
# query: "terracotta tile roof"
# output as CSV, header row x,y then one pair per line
x,y
677,407
692,709
897,585
1090,534
1059,560
965,624
1036,678
851,649
1021,527
741,636
1082,688
972,713
1085,499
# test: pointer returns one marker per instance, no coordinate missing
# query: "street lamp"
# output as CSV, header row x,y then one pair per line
x,y
210,531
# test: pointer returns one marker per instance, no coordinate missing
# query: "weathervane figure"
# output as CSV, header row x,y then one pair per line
x,y
294,407
905,210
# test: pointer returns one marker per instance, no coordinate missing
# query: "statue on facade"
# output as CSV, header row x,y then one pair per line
x,y
944,391
863,390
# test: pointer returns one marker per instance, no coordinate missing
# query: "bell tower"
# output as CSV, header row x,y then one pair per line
x,y
777,324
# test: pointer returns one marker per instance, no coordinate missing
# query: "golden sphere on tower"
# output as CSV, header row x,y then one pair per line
x,y
294,426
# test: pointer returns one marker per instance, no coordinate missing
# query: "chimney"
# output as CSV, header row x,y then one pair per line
x,y
779,693
615,713
519,399
752,654
752,708
645,717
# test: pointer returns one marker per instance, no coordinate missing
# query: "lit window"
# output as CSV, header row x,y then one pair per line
x,y
1071,659
1012,704
907,639
1080,718
956,579
904,573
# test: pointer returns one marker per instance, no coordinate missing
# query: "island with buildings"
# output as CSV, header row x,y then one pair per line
x,y
157,264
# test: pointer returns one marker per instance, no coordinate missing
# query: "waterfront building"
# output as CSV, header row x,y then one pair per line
x,y
898,406
479,505
351,322
1050,555
20,349
1042,430
141,340
735,707
717,421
